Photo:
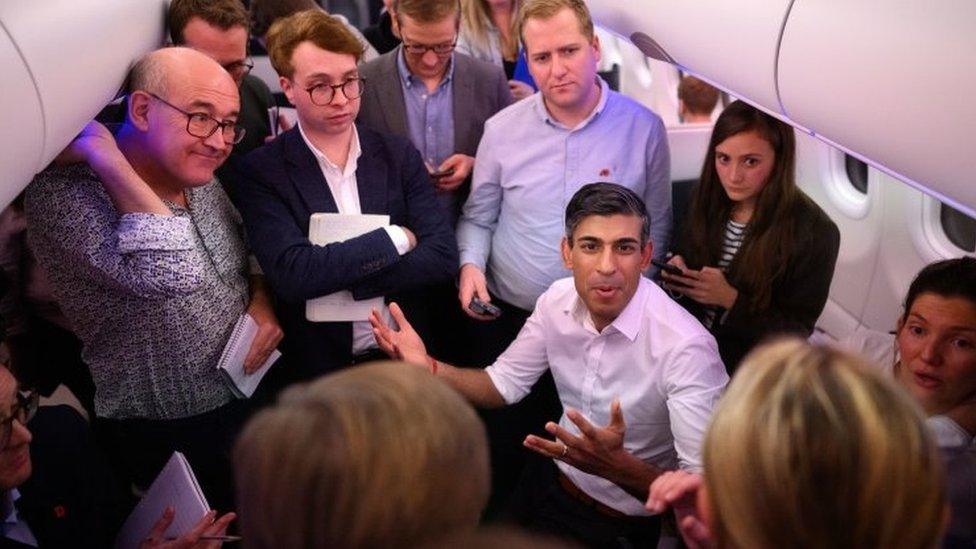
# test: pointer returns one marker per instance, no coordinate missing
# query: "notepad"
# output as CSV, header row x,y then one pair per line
x,y
326,228
231,364
175,487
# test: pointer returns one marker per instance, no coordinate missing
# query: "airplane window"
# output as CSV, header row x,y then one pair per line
x,y
857,173
959,227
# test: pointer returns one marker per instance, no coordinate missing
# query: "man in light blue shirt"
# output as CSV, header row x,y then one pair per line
x,y
537,153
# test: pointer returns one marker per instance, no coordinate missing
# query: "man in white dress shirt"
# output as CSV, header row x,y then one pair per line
x,y
618,347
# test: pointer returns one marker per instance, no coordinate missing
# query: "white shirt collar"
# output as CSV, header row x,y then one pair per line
x,y
628,322
543,112
352,159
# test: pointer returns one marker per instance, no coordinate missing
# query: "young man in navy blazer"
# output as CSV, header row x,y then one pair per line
x,y
328,164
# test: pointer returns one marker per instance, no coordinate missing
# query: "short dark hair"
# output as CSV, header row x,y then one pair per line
x,y
698,96
222,14
947,278
606,199
265,12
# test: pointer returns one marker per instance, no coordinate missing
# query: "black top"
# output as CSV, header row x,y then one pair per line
x,y
381,34
798,294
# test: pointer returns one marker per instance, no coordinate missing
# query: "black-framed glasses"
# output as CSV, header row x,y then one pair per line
x,y
22,410
420,49
323,94
239,69
202,125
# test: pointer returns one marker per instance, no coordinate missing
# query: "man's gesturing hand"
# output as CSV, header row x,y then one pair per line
x,y
403,344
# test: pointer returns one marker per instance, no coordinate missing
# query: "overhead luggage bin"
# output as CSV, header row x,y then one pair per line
x,y
890,81
62,61
731,44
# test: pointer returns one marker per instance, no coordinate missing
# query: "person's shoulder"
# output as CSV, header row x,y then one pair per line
x,y
559,294
516,114
668,318
255,84
380,66
373,142
633,109
814,222
271,152
477,66
75,183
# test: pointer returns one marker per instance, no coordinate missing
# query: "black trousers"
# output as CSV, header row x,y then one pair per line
x,y
507,427
542,505
139,448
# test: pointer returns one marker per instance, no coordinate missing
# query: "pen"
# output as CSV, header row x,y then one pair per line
x,y
210,538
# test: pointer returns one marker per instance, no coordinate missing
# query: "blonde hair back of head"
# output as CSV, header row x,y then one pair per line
x,y
379,455
811,448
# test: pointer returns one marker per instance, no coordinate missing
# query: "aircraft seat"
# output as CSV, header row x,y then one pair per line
x,y
688,144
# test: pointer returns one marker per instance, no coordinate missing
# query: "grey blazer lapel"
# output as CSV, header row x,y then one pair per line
x,y
465,140
390,94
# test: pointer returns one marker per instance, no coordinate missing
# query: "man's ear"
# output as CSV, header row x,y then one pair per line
x,y
138,105
287,88
395,23
647,252
596,46
567,253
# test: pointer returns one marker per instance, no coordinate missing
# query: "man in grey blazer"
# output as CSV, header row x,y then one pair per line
x,y
437,98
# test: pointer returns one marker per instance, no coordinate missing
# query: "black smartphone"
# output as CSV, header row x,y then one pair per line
x,y
442,173
482,308
667,267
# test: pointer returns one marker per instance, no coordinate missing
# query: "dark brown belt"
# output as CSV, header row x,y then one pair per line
x,y
585,499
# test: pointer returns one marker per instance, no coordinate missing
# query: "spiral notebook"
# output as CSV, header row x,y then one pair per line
x,y
175,487
231,364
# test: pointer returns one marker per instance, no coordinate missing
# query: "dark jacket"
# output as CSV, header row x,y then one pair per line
x,y
798,295
281,186
71,498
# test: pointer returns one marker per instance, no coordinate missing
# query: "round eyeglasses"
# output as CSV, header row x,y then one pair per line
x,y
22,410
202,125
323,94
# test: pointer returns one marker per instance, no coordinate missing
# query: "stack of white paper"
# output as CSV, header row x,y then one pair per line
x,y
326,228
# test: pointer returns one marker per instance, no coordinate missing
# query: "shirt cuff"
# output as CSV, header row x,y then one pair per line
x,y
399,238
474,258
146,231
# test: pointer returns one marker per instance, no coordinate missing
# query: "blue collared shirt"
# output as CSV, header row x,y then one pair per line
x,y
430,115
527,168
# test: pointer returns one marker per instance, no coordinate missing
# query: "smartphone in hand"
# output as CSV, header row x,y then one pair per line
x,y
482,308
667,267
442,173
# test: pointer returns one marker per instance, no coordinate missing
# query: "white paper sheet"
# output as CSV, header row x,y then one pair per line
x,y
175,487
325,228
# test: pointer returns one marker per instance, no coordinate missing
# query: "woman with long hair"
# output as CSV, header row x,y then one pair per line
x,y
489,32
757,255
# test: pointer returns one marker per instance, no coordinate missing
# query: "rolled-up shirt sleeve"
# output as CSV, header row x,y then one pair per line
x,y
72,221
523,362
695,379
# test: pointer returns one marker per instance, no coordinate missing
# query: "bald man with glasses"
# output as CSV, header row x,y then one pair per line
x,y
147,258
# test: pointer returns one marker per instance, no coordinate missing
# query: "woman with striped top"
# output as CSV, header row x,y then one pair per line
x,y
757,255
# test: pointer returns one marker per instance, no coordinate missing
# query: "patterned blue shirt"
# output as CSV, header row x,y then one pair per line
x,y
152,298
